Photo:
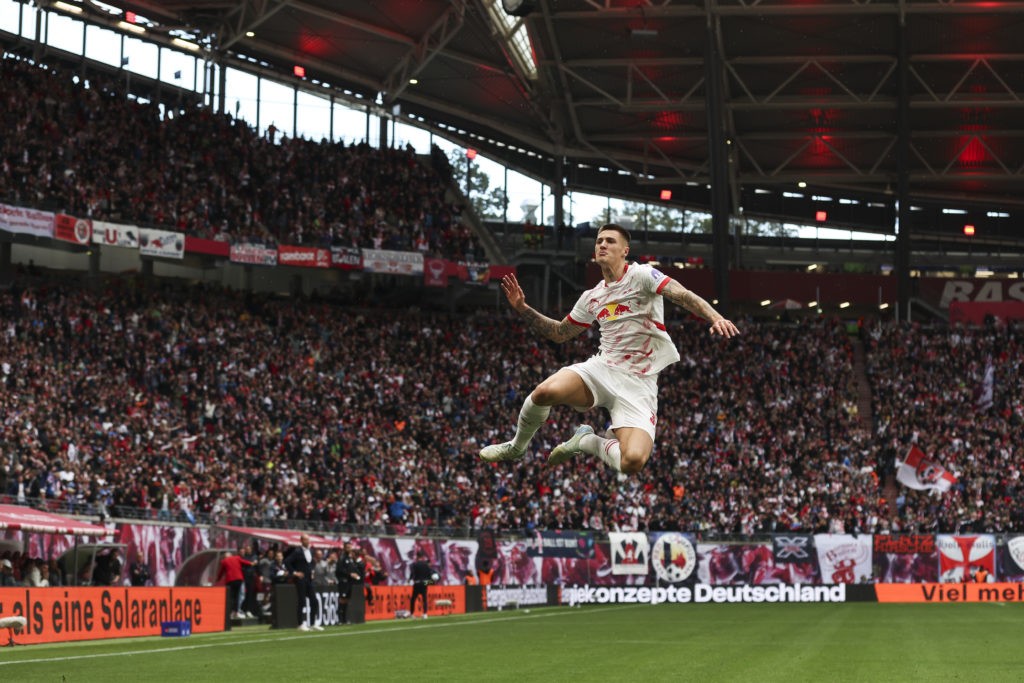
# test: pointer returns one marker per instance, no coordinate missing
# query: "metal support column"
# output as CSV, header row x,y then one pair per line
x,y
903,179
719,159
558,193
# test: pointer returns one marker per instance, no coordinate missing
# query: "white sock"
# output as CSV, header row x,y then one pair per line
x,y
531,418
605,449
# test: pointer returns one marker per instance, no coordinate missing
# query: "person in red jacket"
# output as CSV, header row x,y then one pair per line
x,y
231,573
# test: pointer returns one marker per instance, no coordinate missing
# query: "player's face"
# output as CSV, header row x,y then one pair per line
x,y
610,247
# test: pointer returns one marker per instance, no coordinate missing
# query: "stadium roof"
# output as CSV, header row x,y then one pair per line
x,y
805,91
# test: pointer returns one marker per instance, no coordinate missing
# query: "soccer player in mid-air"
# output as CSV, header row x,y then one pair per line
x,y
623,376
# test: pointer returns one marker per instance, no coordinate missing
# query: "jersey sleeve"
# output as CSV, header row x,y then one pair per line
x,y
579,315
653,279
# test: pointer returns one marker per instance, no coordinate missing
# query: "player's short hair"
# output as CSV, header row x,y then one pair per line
x,y
617,228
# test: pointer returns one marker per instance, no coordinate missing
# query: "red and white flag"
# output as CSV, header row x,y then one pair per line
x,y
921,473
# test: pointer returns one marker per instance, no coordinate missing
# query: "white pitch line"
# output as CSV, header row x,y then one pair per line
x,y
338,634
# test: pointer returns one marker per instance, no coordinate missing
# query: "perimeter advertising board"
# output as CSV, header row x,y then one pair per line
x,y
389,600
64,614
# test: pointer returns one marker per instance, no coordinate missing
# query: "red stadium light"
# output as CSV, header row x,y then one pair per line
x,y
299,71
969,230
471,154
130,17
820,216
666,195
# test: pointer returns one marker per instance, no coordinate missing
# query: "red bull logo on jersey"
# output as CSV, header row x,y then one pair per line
x,y
612,311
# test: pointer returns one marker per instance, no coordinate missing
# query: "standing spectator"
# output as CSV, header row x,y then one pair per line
x,y
422,576
251,583
324,572
231,573
139,573
300,569
349,573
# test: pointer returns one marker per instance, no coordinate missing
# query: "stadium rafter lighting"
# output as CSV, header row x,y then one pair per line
x,y
250,34
134,28
845,304
186,44
883,306
67,7
812,304
511,31
801,184
811,268
766,302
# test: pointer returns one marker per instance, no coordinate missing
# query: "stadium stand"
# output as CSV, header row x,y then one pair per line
x,y
203,404
94,152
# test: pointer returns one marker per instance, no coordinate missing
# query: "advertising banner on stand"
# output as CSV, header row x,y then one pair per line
x,y
905,558
115,235
23,221
959,556
562,544
392,262
1010,563
346,258
303,257
253,255
844,558
162,243
630,551
674,558
435,272
70,229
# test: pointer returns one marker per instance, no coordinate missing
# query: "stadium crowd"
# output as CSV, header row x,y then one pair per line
x,y
202,401
95,153
928,389
205,403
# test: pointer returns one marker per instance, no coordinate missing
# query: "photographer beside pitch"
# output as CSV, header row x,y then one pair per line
x,y
623,376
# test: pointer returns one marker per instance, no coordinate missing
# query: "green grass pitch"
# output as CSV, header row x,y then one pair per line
x,y
785,642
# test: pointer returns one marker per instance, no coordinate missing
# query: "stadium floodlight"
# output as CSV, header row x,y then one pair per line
x,y
766,302
518,8
812,304
845,304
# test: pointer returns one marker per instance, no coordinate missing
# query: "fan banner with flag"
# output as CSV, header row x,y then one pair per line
x,y
630,552
920,472
983,394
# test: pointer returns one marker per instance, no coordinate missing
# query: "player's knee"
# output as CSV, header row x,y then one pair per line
x,y
633,461
544,395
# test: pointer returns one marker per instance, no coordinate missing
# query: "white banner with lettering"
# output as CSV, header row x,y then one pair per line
x,y
393,262
24,221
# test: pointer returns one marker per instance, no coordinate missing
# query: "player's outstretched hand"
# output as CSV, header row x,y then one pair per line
x,y
513,292
724,327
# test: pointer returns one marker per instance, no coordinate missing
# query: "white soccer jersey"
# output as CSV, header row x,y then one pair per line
x,y
631,315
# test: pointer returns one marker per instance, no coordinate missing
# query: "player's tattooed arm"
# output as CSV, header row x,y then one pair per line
x,y
556,331
680,295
